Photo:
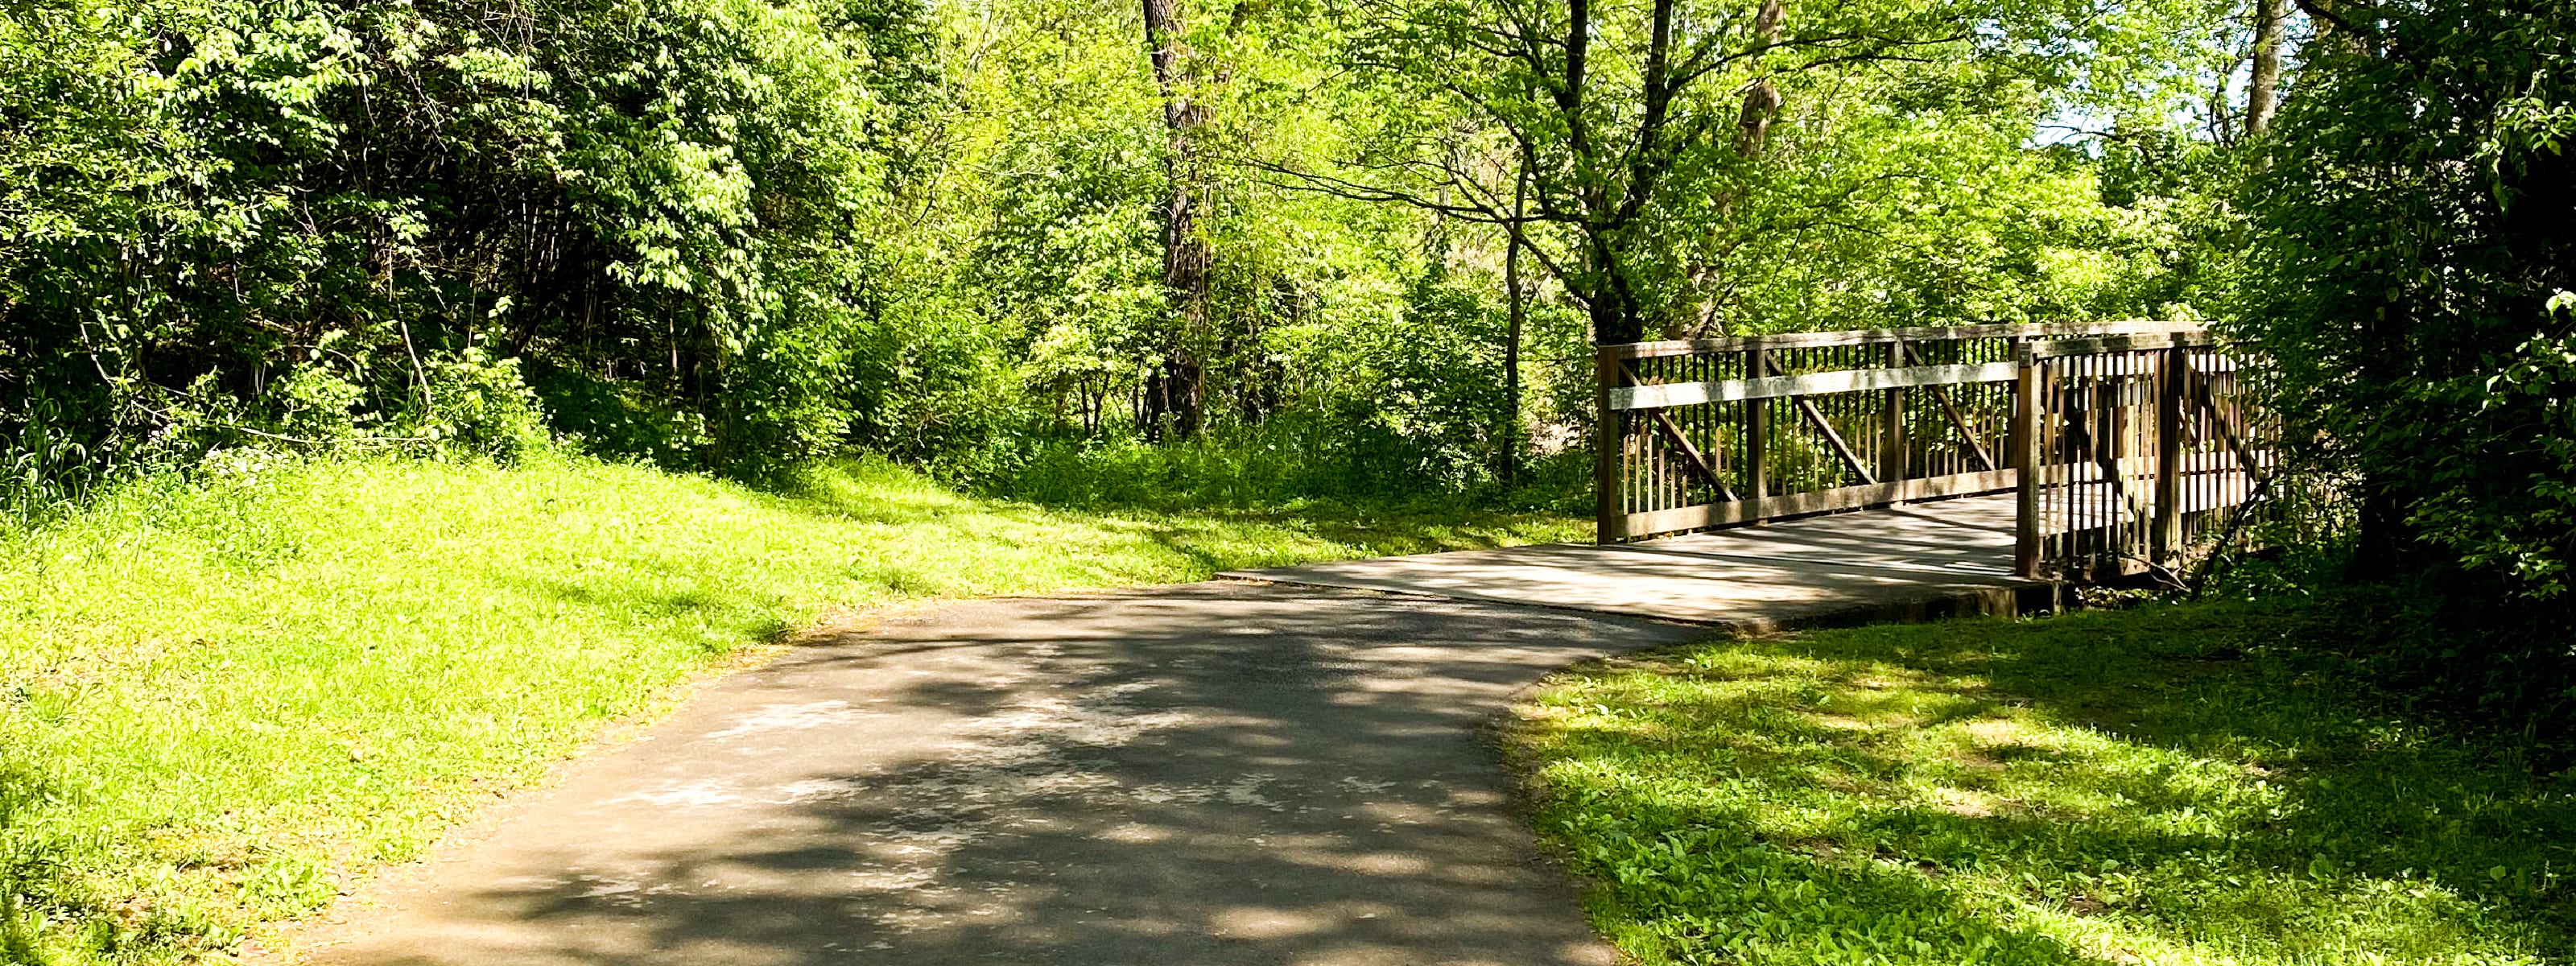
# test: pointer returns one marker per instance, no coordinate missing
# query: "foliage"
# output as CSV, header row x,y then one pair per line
x,y
733,234
1691,168
2167,785
223,698
2426,355
285,218
1295,464
741,234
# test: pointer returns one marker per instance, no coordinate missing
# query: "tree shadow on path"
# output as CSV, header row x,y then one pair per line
x,y
1204,774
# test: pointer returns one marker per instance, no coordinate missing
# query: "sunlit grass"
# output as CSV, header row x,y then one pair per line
x,y
222,700
2170,785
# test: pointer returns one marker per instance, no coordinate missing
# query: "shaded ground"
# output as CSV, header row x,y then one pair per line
x,y
1217,773
2175,784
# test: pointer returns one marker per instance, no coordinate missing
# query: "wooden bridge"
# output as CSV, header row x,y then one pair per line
x,y
2123,444
1768,481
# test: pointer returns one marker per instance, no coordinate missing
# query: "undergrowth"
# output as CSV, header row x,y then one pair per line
x,y
1289,464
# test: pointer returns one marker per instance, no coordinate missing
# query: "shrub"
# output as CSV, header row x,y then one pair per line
x,y
2417,216
321,220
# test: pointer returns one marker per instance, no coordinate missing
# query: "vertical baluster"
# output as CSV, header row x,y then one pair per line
x,y
2108,433
1690,425
1704,423
2093,447
2060,457
1891,458
2106,453
1649,493
1757,431
2025,450
2114,436
2079,401
2108,457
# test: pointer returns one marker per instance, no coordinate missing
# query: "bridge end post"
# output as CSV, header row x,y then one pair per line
x,y
1757,432
2167,537
2026,457
1609,523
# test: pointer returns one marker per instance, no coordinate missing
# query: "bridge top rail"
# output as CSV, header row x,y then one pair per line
x,y
1928,333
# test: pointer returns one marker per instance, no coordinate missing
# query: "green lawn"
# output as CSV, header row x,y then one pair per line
x,y
221,702
2168,785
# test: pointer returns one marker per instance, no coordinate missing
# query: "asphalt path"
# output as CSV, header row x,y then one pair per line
x,y
1219,773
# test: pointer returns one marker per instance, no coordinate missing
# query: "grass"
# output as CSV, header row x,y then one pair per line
x,y
1291,462
223,701
2168,785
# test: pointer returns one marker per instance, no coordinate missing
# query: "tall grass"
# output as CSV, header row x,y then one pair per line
x,y
1292,462
223,698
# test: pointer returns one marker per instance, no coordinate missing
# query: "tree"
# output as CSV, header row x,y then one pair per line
x,y
1175,391
2262,92
1647,128
2416,216
1601,109
289,221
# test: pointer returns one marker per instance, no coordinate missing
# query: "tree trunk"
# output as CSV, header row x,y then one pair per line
x,y
1762,101
1598,284
1177,393
2263,96
1512,333
1615,320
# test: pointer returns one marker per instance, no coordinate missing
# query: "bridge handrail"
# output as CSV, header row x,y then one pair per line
x,y
1658,395
1924,333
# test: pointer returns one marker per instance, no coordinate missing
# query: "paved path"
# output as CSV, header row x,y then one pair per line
x,y
1210,774
1909,563
1280,772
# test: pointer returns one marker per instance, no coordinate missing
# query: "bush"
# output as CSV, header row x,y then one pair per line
x,y
1293,459
481,405
322,220
2417,217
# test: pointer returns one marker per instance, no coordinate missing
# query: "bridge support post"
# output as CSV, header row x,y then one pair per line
x,y
1757,432
1610,520
2026,458
1891,433
2173,366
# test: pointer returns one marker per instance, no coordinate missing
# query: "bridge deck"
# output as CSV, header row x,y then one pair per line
x,y
1914,561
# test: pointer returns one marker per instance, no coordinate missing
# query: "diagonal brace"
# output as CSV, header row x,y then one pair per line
x,y
1807,408
2206,399
1692,459
1950,408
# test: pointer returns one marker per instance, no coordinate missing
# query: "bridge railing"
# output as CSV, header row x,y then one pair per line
x,y
2141,433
